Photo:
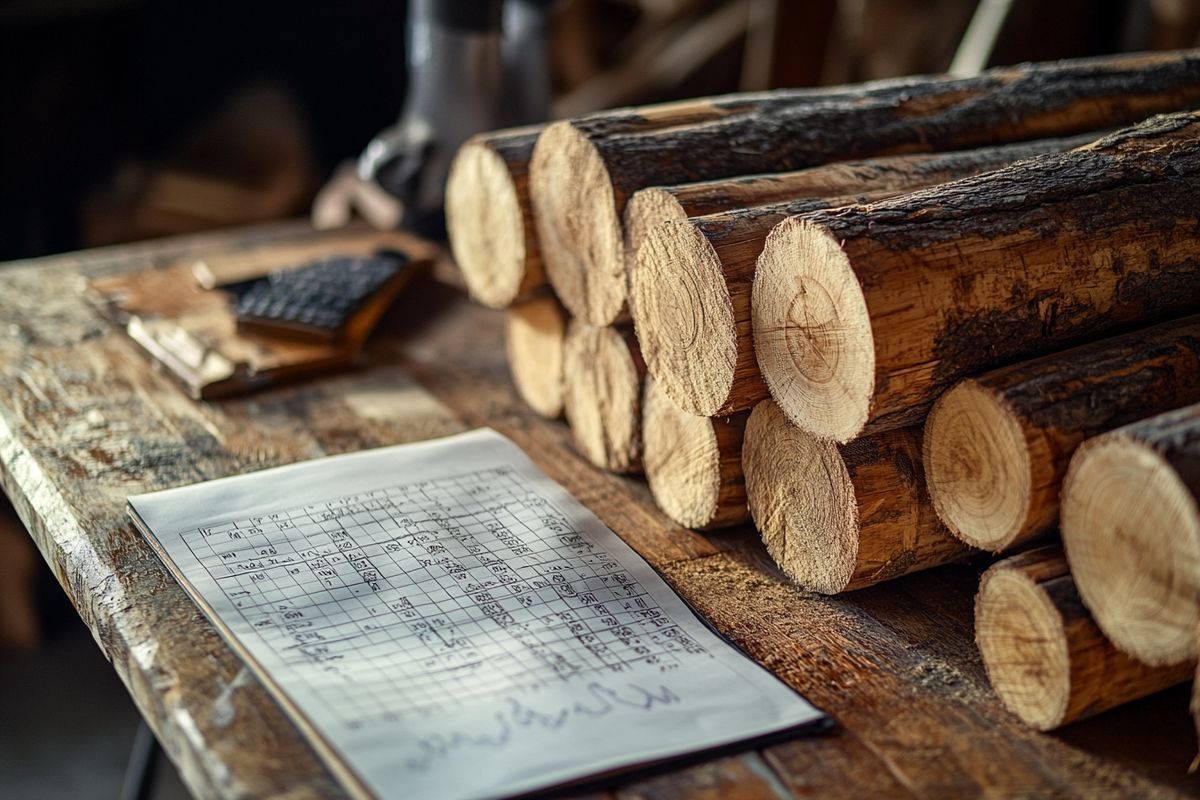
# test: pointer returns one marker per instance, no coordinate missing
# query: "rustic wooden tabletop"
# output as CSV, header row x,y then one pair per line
x,y
85,421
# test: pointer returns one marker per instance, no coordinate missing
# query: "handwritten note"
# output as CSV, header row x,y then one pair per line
x,y
450,623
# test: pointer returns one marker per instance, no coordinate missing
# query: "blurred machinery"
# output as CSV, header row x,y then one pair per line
x,y
473,65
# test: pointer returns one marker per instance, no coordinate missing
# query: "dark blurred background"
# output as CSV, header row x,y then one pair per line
x,y
129,119
123,120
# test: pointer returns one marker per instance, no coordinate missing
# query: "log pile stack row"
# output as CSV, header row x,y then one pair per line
x,y
757,299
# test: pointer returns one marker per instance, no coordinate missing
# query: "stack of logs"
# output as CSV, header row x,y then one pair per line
x,y
895,324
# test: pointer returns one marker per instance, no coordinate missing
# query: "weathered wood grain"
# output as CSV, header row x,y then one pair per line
x,y
84,421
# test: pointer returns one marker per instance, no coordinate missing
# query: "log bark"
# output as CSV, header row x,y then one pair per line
x,y
488,216
1131,528
693,464
656,204
1044,654
534,334
865,315
583,172
841,517
997,446
690,286
602,394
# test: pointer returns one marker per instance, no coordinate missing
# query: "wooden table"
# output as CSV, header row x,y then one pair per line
x,y
85,420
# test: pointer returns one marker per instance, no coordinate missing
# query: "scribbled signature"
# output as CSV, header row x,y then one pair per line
x,y
597,701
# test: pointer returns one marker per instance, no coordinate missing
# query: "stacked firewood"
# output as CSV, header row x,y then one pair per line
x,y
757,299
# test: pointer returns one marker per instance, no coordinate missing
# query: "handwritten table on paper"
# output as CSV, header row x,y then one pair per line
x,y
452,624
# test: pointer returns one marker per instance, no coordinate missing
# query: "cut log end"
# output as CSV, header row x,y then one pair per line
x,y
646,210
684,317
812,331
486,226
1131,529
691,462
1024,647
535,332
578,224
1045,657
802,501
977,467
602,390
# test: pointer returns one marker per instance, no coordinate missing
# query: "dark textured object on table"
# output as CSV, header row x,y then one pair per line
x,y
321,301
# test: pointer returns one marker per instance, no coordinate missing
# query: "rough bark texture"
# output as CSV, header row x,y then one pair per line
x,y
899,532
85,421
970,275
773,132
1131,528
488,216
1057,402
1045,656
907,172
584,172
690,288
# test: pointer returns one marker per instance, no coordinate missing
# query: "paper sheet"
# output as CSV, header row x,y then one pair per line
x,y
453,624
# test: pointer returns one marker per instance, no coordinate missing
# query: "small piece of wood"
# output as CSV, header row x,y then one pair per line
x,y
602,394
693,463
534,334
841,517
691,282
488,218
583,171
1045,657
866,315
1131,528
997,446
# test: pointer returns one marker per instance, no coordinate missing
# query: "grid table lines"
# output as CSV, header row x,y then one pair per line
x,y
434,594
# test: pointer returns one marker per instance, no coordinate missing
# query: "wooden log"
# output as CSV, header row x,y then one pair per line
x,y
997,446
841,517
866,315
693,463
534,334
1131,528
602,394
651,206
690,285
583,172
488,217
1044,654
